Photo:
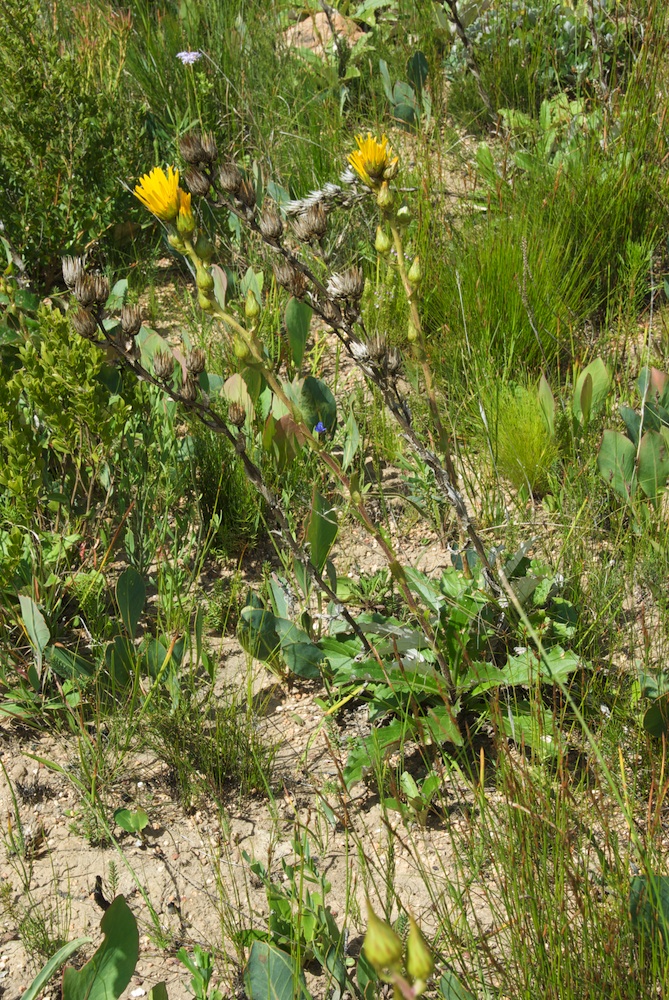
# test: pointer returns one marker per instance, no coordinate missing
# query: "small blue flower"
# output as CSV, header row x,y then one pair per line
x,y
320,428
188,58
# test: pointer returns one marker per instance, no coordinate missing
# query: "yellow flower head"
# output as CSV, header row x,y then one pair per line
x,y
372,160
186,219
160,193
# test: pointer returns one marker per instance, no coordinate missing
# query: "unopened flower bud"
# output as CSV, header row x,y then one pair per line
x,y
196,360
403,215
163,364
241,348
383,947
197,182
204,301
203,279
271,225
385,198
412,332
84,323
204,249
415,274
189,390
73,268
131,320
251,307
383,242
101,288
84,290
229,177
176,243
236,414
420,962
390,173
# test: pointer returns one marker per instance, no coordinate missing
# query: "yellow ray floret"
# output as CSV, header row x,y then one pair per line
x,y
373,161
160,193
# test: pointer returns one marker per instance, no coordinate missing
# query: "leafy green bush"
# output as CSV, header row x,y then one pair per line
x,y
526,450
71,132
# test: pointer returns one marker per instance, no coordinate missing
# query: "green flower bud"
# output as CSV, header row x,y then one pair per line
x,y
204,248
240,348
385,197
415,274
204,301
203,279
251,307
412,333
420,963
403,215
383,242
176,243
382,946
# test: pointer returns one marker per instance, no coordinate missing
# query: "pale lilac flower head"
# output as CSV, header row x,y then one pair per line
x,y
188,58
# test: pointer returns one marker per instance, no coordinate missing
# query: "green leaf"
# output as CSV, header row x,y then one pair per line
x,y
531,725
298,321
351,441
117,295
52,966
600,380
452,989
653,467
656,717
547,404
632,421
158,992
271,974
110,969
132,821
322,529
317,403
417,71
220,284
36,627
616,461
130,596
257,634
649,906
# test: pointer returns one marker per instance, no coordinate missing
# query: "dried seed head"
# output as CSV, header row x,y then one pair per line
x,y
83,322
195,360
347,285
189,390
191,148
236,414
73,268
84,290
311,225
377,348
101,288
290,278
229,177
394,361
209,147
131,320
246,193
163,364
198,183
270,224
330,311
359,350
131,348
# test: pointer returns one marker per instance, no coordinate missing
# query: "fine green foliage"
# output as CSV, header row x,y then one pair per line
x,y
525,449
